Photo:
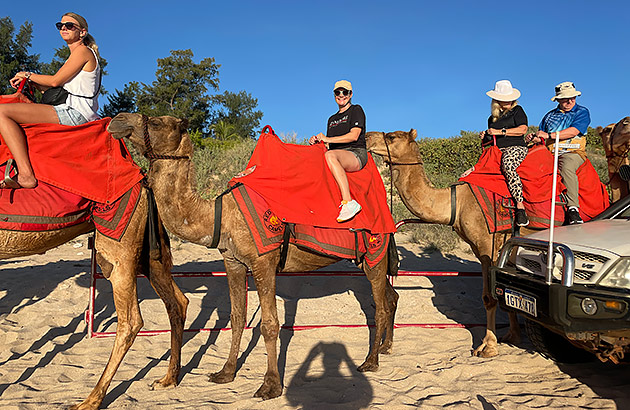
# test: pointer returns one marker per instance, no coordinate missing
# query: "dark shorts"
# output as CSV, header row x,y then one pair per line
x,y
360,153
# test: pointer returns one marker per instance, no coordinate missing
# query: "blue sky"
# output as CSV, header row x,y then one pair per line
x,y
413,64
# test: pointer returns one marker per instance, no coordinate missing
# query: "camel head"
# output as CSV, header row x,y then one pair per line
x,y
402,145
616,137
167,135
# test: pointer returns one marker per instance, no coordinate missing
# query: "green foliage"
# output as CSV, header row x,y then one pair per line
x,y
121,101
446,158
593,140
237,110
218,162
181,89
14,55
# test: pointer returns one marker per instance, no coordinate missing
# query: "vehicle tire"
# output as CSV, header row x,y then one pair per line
x,y
553,346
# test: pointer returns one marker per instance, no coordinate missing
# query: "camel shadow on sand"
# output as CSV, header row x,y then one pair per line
x,y
25,286
457,298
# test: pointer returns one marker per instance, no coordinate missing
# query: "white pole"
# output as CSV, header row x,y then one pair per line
x,y
553,209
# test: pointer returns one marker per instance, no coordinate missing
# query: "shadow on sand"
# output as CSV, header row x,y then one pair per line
x,y
338,385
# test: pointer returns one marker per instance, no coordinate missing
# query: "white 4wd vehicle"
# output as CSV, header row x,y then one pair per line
x,y
584,299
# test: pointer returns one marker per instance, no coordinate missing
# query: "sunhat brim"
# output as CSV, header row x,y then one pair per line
x,y
566,94
513,96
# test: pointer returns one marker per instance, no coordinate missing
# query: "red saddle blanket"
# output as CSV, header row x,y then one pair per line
x,y
299,188
83,173
268,231
536,173
47,208
82,159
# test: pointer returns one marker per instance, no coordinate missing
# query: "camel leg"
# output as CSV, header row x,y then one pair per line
x,y
237,277
489,345
378,280
265,277
513,336
123,268
176,304
391,305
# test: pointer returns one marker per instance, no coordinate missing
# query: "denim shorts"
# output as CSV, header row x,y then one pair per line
x,y
360,153
68,115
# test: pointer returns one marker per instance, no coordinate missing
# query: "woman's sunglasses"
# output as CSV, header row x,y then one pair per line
x,y
342,91
69,25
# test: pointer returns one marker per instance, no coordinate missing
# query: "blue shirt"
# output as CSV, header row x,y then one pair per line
x,y
556,120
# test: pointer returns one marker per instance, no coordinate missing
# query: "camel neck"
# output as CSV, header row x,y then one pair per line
x,y
182,209
430,204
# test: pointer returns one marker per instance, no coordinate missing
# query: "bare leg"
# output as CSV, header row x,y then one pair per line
x,y
339,162
11,116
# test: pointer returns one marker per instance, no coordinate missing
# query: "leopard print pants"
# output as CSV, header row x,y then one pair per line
x,y
511,158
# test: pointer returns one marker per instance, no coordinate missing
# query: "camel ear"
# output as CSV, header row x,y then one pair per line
x,y
183,124
413,134
119,128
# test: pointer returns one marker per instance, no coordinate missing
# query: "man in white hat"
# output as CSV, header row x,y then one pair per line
x,y
569,121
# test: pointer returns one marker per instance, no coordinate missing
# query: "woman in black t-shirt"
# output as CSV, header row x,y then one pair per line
x,y
347,151
507,126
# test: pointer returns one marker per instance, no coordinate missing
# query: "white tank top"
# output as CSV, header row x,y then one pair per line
x,y
85,84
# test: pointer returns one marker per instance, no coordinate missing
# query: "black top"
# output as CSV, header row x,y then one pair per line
x,y
342,123
511,119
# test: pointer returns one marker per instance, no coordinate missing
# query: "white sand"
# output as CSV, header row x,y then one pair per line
x,y
46,361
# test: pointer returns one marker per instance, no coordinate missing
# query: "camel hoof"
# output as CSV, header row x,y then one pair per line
x,y
386,348
486,351
269,390
368,367
221,377
511,339
163,383
84,406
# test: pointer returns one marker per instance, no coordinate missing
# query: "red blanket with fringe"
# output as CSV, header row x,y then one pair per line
x,y
536,173
267,231
499,211
82,159
299,188
47,208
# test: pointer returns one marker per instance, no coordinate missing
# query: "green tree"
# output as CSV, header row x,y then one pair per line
x,y
181,89
237,109
14,55
121,101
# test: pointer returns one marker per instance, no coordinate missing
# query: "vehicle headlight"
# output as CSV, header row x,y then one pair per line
x,y
618,275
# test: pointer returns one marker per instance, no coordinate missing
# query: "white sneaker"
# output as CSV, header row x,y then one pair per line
x,y
348,210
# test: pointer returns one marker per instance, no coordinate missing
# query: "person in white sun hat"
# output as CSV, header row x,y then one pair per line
x,y
347,150
570,122
507,126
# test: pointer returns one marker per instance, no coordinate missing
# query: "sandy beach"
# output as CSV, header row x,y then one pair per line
x,y
46,360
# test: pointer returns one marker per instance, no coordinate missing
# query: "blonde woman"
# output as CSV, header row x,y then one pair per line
x,y
507,126
79,76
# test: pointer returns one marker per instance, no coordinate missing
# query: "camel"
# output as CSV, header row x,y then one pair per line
x,y
120,261
190,217
616,142
433,205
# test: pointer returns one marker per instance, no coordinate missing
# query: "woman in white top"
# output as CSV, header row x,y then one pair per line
x,y
79,75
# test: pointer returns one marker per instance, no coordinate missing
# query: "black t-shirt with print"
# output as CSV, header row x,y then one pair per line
x,y
512,119
341,123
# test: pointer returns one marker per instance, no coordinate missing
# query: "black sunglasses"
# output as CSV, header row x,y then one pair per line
x,y
342,91
69,25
